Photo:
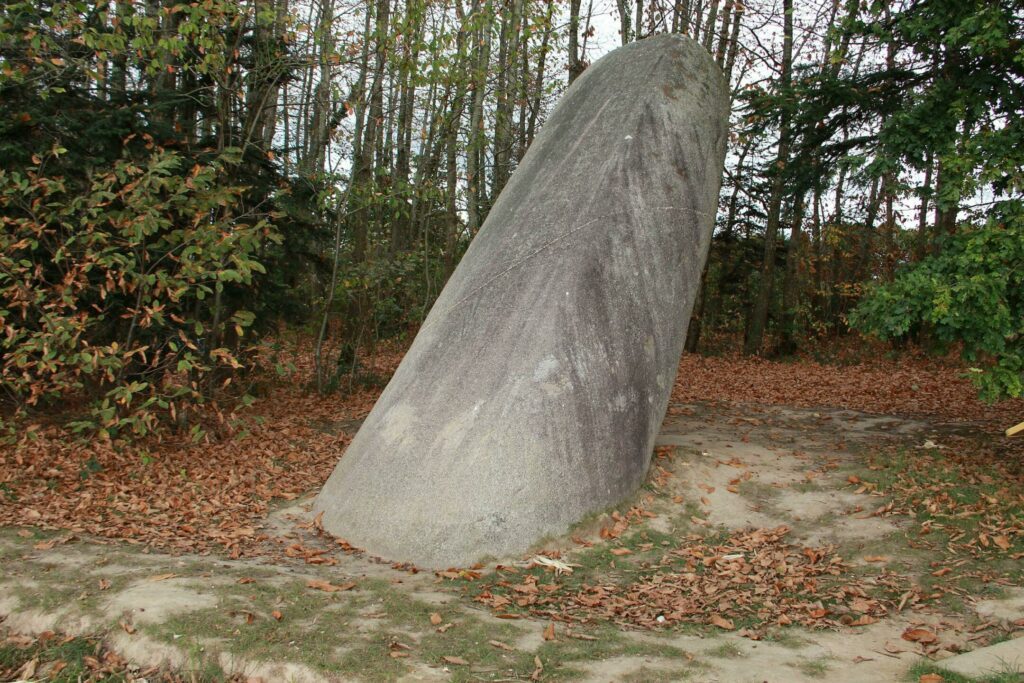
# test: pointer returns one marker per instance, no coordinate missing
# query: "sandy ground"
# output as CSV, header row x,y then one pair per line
x,y
747,467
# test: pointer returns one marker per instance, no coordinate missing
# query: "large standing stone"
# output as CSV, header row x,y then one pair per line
x,y
1001,658
534,390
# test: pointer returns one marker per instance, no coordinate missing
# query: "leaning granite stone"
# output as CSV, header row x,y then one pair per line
x,y
535,388
1006,657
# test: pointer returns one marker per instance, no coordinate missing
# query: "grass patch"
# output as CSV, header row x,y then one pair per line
x,y
924,668
786,637
68,656
650,675
267,621
67,659
51,593
815,668
758,491
725,651
954,497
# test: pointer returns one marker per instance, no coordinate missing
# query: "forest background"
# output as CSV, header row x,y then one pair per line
x,y
187,184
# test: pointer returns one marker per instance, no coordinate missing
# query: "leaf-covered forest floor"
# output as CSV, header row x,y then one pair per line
x,y
801,522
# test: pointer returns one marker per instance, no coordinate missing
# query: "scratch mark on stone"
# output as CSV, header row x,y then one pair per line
x,y
542,248
590,124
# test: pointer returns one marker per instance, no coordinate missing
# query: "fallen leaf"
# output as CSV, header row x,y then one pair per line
x,y
435,618
501,646
277,615
162,577
721,622
559,566
538,669
919,635
458,661
930,678
582,636
19,640
1001,541
328,586
29,670
621,551
549,632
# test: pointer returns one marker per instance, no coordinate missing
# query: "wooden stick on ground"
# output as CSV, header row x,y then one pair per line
x,y
1015,430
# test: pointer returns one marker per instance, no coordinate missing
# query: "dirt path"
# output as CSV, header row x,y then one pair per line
x,y
309,612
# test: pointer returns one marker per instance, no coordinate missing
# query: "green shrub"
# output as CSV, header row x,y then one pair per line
x,y
116,290
971,292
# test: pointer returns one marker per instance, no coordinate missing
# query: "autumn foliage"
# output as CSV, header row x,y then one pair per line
x,y
911,384
171,492
115,292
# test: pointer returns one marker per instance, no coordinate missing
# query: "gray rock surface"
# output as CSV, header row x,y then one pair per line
x,y
1002,658
535,388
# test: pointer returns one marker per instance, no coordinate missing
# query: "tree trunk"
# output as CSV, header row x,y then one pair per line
x,y
624,32
539,86
734,40
697,317
401,225
504,93
791,283
725,262
317,134
475,180
945,215
575,62
709,27
921,243
363,176
867,240
723,35
816,262
754,342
